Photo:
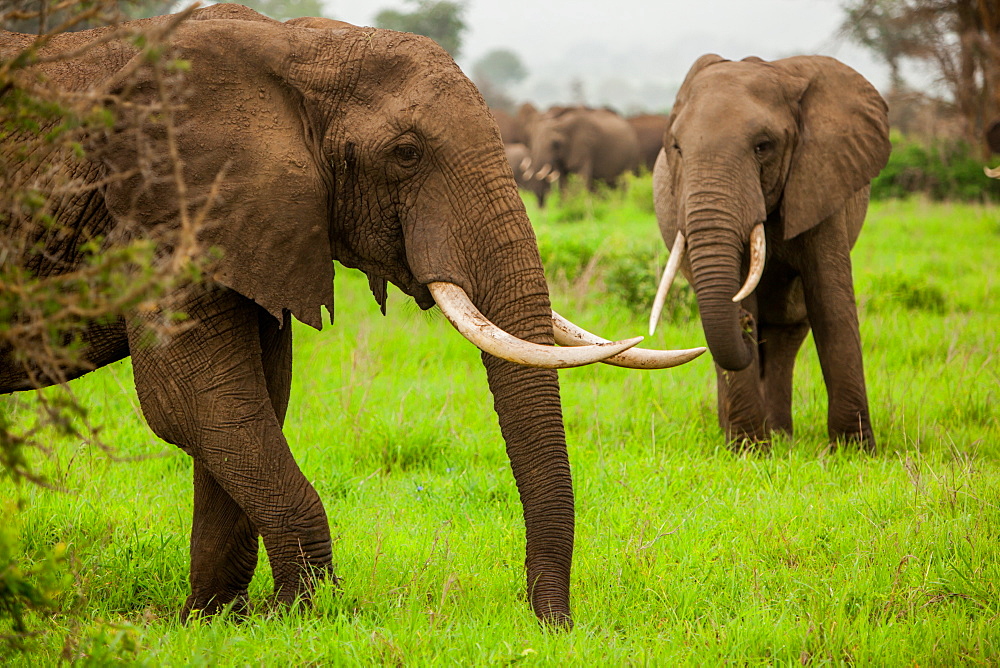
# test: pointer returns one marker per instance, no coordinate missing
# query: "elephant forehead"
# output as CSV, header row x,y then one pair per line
x,y
760,81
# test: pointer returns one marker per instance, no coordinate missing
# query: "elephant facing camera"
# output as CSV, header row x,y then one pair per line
x,y
761,189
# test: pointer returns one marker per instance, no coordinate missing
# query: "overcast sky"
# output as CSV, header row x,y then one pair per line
x,y
616,48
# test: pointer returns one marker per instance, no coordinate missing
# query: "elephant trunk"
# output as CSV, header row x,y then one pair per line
x,y
528,406
715,250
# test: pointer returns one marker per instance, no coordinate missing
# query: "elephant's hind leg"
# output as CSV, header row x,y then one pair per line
x,y
208,391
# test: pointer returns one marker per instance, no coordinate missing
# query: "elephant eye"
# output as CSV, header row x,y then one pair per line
x,y
677,148
407,154
764,147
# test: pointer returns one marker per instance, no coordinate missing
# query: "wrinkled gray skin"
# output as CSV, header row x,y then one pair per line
x,y
794,144
597,144
353,144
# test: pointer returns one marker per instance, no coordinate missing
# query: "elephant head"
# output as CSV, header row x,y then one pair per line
x,y
788,142
318,141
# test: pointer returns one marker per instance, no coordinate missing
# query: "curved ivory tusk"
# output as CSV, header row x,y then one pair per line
x,y
554,176
669,273
757,248
992,173
528,174
569,334
473,325
525,163
543,172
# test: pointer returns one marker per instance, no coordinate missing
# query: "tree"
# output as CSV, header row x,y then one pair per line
x,y
501,67
282,10
47,299
494,72
959,39
440,20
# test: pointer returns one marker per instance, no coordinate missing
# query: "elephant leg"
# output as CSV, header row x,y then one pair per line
x,y
206,390
224,542
779,344
741,406
741,395
829,294
224,546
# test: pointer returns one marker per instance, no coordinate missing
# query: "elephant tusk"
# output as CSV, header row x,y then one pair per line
x,y
569,334
757,251
992,173
554,176
528,175
669,273
525,163
473,325
543,172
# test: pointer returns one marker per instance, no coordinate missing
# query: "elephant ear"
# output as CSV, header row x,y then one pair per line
x,y
843,140
246,154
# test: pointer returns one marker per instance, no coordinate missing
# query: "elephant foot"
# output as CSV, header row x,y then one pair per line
x,y
858,433
863,441
210,605
300,591
748,438
749,445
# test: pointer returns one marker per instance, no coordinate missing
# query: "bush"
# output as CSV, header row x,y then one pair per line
x,y
946,170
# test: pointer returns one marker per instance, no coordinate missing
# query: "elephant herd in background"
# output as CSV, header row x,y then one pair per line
x,y
597,145
371,148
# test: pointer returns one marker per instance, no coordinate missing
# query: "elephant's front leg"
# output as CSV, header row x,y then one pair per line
x,y
833,315
224,541
741,407
207,390
742,413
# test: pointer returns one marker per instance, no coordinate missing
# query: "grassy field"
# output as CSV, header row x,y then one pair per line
x,y
685,555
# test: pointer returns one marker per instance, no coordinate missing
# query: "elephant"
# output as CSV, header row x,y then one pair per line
x,y
518,155
322,141
763,181
597,144
993,136
649,129
516,129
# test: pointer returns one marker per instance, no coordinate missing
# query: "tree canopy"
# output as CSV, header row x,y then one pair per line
x,y
441,20
957,39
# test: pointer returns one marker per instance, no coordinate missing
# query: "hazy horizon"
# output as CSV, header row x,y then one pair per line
x,y
633,54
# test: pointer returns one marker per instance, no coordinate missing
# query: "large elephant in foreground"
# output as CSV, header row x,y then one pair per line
x,y
597,144
365,146
763,183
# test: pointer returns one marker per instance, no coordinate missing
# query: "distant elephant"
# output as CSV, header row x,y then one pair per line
x,y
649,129
364,146
518,156
516,129
597,144
772,160
993,136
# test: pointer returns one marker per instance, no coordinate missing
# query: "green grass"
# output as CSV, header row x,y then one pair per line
x,y
686,554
